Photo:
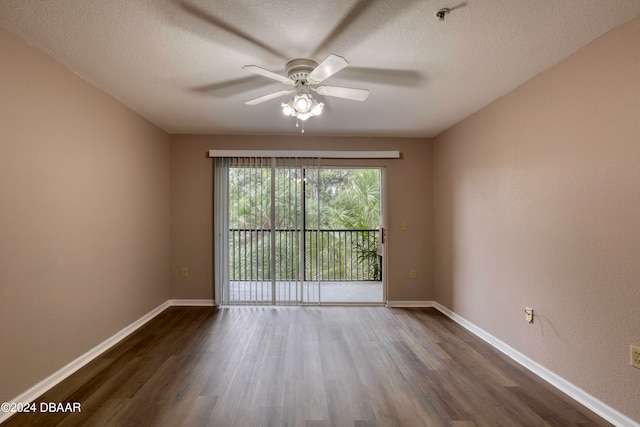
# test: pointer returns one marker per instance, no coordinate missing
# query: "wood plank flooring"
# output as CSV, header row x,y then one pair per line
x,y
306,366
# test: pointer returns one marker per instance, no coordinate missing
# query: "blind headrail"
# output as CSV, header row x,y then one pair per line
x,y
307,154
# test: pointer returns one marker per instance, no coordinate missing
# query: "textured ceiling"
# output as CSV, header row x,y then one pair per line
x,y
179,62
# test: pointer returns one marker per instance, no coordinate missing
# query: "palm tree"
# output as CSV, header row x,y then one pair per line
x,y
351,201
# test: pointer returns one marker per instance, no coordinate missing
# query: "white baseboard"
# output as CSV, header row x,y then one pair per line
x,y
192,302
399,304
605,411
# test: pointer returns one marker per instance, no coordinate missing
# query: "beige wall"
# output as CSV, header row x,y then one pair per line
x,y
537,203
84,216
408,195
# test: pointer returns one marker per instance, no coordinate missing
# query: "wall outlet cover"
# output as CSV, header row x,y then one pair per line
x,y
635,356
528,314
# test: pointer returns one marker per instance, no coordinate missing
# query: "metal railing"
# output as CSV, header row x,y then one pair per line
x,y
329,255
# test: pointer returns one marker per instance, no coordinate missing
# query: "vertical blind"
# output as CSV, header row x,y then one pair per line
x,y
260,231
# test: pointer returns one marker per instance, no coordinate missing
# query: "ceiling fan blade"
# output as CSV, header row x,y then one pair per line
x,y
269,74
211,19
363,19
327,68
269,97
358,9
229,88
343,92
382,76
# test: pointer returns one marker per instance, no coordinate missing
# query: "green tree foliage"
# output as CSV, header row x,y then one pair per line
x,y
356,204
343,199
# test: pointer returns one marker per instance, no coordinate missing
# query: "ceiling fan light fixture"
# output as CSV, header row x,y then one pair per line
x,y
287,110
317,110
302,102
302,106
303,116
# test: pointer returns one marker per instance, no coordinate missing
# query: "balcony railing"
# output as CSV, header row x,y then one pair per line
x,y
329,255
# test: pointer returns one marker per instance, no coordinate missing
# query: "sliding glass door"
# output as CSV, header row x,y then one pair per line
x,y
343,219
291,232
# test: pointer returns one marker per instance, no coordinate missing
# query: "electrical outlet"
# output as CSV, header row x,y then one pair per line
x,y
184,272
635,356
413,274
528,314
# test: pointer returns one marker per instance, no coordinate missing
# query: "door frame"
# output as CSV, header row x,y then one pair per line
x,y
220,267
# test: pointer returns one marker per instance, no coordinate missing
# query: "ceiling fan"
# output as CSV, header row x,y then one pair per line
x,y
305,75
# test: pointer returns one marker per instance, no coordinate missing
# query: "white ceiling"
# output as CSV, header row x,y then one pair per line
x,y
179,62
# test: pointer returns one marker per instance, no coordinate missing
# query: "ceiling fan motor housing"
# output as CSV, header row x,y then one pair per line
x,y
298,70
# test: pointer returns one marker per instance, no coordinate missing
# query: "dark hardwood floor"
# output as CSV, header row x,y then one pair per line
x,y
306,366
